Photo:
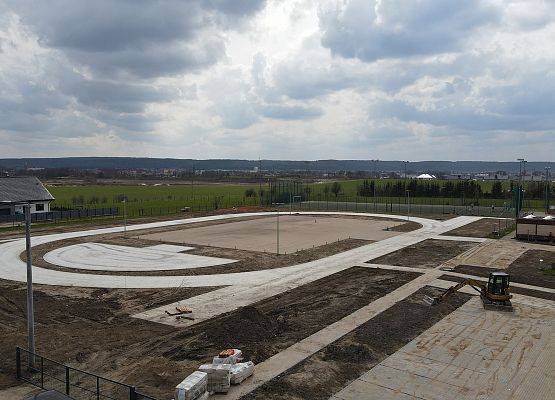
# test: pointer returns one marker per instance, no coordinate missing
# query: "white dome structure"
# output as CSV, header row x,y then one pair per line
x,y
426,176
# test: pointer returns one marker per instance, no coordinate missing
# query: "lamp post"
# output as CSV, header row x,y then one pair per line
x,y
124,201
408,205
547,190
277,226
30,308
518,200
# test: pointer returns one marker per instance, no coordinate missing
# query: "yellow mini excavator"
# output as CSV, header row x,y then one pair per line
x,y
495,294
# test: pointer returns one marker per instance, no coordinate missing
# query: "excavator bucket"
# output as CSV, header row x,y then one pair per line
x,y
431,301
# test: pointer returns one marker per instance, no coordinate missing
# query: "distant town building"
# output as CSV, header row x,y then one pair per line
x,y
425,176
15,192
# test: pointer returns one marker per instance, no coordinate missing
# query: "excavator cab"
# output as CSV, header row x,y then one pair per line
x,y
495,294
498,283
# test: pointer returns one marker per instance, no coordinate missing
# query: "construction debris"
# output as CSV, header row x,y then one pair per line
x,y
179,311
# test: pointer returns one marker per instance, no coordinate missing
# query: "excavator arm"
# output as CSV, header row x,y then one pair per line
x,y
476,285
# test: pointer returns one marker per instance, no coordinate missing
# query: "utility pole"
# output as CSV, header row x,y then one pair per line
x,y
30,308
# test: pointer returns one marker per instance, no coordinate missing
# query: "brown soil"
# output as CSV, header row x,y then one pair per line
x,y
527,292
93,335
248,260
526,269
482,228
73,324
335,366
429,253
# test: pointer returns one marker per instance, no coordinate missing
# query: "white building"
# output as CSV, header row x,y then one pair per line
x,y
426,176
15,192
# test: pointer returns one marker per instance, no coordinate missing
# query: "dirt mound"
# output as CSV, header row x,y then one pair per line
x,y
247,324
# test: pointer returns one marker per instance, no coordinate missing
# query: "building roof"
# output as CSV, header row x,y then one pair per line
x,y
22,190
425,176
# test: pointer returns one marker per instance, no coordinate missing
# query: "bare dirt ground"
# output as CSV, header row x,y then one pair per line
x,y
527,269
482,228
75,323
526,292
98,335
296,232
429,253
333,367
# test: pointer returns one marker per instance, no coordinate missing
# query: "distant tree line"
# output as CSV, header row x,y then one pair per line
x,y
449,189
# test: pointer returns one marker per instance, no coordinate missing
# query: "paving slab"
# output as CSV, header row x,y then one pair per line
x,y
515,360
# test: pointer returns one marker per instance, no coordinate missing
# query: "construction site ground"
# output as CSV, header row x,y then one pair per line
x,y
93,331
534,267
483,228
341,321
426,254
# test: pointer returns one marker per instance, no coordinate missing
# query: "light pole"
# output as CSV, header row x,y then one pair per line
x,y
124,201
30,308
277,232
518,200
547,190
277,226
408,205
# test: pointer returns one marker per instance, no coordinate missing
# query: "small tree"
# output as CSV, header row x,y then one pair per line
x,y
336,188
250,193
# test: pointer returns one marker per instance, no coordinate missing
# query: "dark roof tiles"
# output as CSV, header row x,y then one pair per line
x,y
23,189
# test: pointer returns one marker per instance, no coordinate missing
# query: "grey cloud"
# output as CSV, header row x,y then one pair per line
x,y
290,113
372,30
140,37
116,96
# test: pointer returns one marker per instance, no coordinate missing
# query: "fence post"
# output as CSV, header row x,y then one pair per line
x,y
132,393
67,380
18,362
42,372
97,388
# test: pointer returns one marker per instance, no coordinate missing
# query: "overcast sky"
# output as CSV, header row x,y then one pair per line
x,y
362,79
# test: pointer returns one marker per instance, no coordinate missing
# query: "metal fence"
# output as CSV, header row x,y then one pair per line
x,y
61,215
402,208
75,383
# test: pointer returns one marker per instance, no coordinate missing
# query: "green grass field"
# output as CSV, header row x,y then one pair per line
x,y
163,199
152,200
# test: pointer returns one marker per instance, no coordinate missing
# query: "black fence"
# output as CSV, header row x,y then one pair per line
x,y
77,384
63,215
